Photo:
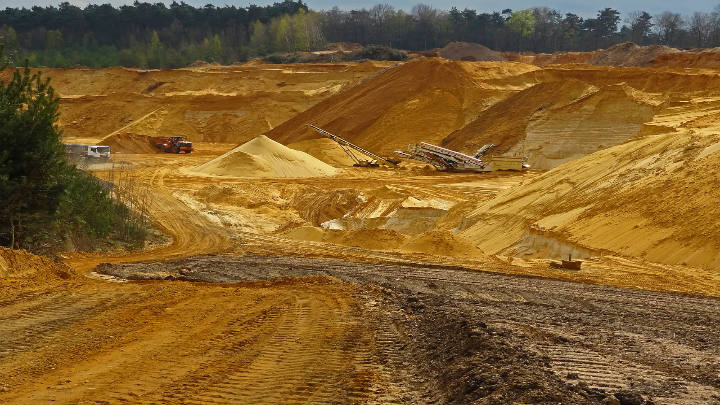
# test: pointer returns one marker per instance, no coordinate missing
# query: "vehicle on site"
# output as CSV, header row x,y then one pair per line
x,y
173,144
79,151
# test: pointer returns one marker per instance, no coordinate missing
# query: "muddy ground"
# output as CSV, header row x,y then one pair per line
x,y
449,334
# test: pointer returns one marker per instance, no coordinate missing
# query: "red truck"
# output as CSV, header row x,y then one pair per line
x,y
173,144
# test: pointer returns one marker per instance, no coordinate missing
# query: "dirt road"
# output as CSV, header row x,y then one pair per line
x,y
279,342
663,346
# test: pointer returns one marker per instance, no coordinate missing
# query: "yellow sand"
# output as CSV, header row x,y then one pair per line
x,y
263,157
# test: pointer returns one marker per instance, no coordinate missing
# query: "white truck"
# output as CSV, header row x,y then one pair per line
x,y
99,152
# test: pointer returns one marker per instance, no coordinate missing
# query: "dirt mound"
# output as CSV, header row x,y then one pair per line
x,y
20,264
324,149
469,51
704,59
129,143
263,157
629,54
420,100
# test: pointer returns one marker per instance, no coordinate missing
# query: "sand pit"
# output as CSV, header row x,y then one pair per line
x,y
263,157
468,51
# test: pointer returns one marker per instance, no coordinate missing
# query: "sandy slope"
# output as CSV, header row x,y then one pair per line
x,y
220,104
654,197
419,100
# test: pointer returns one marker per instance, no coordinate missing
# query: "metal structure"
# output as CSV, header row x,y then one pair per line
x,y
479,154
445,159
347,147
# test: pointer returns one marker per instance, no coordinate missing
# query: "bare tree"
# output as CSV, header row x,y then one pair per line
x,y
426,16
701,27
668,27
381,17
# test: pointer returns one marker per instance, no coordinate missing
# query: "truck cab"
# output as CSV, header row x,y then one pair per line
x,y
98,152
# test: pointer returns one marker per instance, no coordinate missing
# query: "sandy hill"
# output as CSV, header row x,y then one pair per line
x,y
624,54
469,51
553,122
629,54
263,157
209,103
702,59
419,100
571,111
655,197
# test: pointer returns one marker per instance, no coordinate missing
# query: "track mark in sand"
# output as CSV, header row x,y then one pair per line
x,y
288,343
309,351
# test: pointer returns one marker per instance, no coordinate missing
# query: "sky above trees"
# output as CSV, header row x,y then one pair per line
x,y
584,8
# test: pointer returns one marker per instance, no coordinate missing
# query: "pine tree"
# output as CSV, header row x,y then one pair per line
x,y
31,158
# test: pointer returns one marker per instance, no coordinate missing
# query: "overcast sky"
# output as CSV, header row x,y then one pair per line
x,y
585,8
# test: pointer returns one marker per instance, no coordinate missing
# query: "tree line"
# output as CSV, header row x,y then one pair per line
x,y
155,35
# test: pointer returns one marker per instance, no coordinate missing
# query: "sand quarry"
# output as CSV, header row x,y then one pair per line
x,y
291,276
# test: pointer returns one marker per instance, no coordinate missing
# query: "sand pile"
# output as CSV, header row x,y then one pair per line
x,y
324,149
263,157
23,265
468,51
629,54
419,100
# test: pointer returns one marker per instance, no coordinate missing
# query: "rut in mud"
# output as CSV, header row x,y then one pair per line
x,y
471,336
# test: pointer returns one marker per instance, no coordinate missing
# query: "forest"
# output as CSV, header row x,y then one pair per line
x,y
156,35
